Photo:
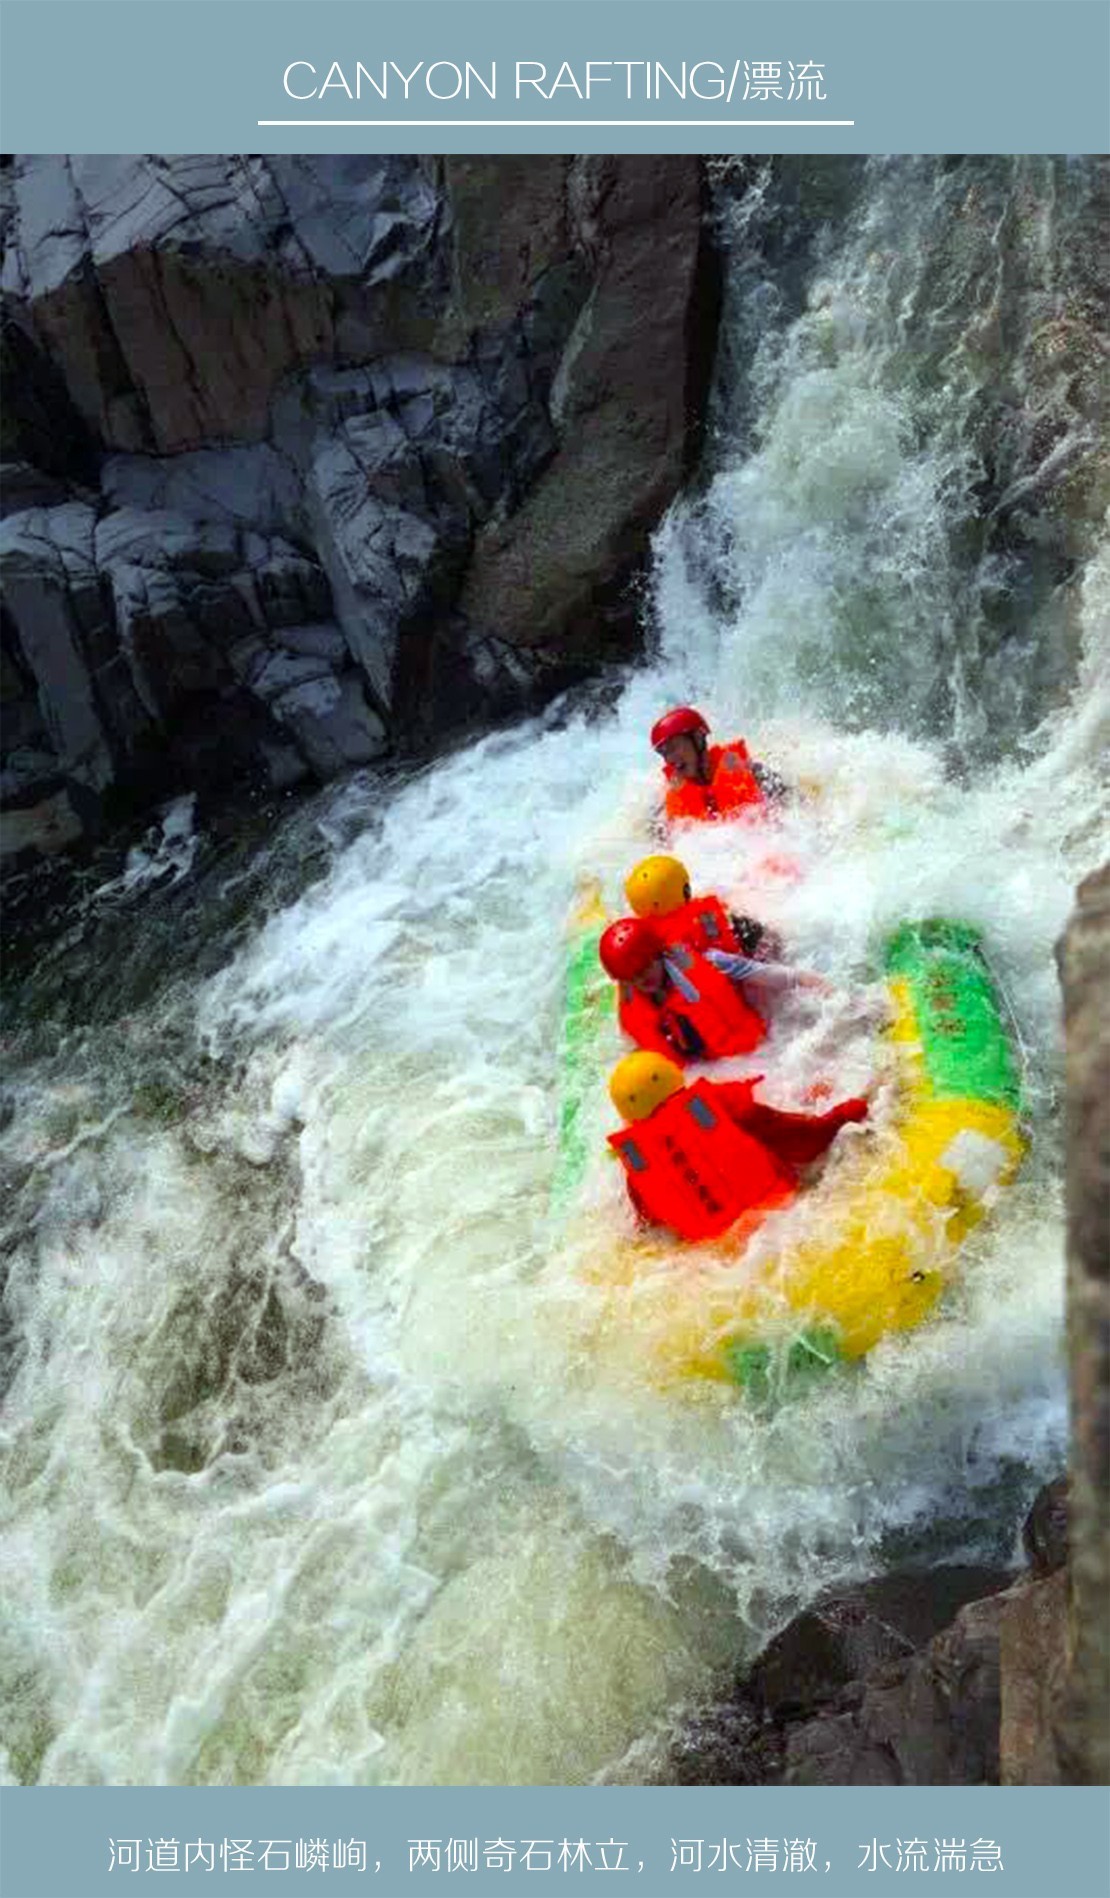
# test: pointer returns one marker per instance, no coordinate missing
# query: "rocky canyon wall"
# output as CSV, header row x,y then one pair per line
x,y
308,461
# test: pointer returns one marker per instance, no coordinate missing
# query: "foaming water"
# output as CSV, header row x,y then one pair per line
x,y
315,1470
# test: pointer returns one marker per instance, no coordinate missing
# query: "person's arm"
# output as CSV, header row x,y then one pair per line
x,y
736,1097
767,975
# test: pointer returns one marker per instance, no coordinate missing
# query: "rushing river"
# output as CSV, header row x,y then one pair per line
x,y
310,1471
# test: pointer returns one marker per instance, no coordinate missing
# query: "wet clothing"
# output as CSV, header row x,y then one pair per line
x,y
702,923
712,1153
732,786
702,1015
742,968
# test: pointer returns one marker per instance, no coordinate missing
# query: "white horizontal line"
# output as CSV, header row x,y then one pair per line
x,y
583,125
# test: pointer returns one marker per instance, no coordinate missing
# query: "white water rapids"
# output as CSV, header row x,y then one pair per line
x,y
309,1476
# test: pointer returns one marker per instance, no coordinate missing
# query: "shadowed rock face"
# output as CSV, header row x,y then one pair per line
x,y
620,409
175,294
325,456
942,1677
1084,957
895,1683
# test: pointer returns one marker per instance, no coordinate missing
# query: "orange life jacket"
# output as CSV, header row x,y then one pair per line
x,y
647,1025
703,923
691,1168
732,785
720,1015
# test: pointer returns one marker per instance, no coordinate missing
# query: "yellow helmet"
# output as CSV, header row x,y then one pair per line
x,y
657,886
642,1082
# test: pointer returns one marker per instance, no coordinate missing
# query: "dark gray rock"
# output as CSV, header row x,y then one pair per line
x,y
930,1721
41,829
332,724
834,1751
39,423
176,293
621,400
389,545
822,1651
55,600
254,486
32,789
1044,1532
845,1636
734,1746
23,487
27,775
136,627
410,420
324,641
895,1682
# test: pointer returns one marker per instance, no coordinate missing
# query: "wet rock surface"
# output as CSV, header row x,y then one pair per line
x,y
313,460
949,1676
860,1690
1084,958
1033,1635
1044,1533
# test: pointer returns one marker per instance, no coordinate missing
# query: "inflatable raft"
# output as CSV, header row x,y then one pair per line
x,y
882,1230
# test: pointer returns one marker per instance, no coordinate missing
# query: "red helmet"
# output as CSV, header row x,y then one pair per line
x,y
683,722
627,947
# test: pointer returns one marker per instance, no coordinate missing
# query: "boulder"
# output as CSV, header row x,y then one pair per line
x,y
1033,1639
894,1682
253,485
732,1746
929,1720
42,828
184,590
37,814
821,1651
1084,960
331,723
390,542
844,1636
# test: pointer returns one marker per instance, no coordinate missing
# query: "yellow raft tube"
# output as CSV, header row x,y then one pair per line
x,y
873,1256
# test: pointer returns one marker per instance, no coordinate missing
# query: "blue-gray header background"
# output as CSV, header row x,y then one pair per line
x,y
207,75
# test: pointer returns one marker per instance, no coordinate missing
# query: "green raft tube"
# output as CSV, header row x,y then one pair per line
x,y
891,1217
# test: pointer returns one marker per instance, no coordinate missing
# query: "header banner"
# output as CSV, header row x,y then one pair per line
x,y
439,76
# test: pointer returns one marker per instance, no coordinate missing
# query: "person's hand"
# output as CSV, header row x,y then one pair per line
x,y
809,979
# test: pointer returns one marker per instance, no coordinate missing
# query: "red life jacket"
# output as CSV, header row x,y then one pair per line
x,y
691,1168
646,1025
703,923
732,785
720,1015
